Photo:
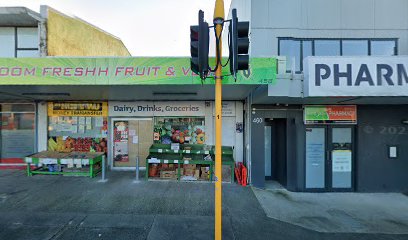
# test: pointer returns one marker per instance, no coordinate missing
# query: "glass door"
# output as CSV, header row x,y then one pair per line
x,y
340,163
329,158
315,157
131,140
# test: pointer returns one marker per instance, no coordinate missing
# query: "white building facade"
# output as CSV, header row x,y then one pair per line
x,y
335,119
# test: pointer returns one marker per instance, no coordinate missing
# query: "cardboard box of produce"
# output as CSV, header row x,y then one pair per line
x,y
167,174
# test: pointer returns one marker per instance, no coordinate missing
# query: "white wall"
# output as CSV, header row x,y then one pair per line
x,y
230,137
271,19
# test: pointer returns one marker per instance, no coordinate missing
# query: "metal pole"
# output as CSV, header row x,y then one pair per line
x,y
137,168
137,171
103,169
218,22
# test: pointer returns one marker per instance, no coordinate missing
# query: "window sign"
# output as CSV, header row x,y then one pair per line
x,y
330,114
151,108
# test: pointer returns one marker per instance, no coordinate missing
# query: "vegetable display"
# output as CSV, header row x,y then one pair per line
x,y
179,130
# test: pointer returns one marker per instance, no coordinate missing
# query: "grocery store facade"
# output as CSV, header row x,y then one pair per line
x,y
120,106
110,105
335,119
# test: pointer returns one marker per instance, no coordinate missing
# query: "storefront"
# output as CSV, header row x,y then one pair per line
x,y
329,147
119,107
135,126
77,126
348,132
17,133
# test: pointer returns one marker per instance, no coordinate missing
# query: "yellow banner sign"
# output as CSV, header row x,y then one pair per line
x,y
80,109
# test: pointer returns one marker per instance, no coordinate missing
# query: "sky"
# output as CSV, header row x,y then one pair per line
x,y
146,27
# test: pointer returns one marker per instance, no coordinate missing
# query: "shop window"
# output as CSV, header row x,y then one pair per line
x,y
79,127
179,130
27,37
296,49
327,48
383,48
355,48
17,130
19,42
290,49
7,40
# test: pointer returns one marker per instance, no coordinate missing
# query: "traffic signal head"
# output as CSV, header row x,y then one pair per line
x,y
239,44
199,44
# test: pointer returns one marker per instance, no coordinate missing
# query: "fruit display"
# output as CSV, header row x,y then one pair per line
x,y
68,144
179,130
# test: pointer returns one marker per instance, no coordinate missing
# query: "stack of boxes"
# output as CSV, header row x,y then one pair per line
x,y
168,171
189,169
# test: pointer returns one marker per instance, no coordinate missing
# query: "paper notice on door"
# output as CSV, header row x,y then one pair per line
x,y
341,160
132,132
135,139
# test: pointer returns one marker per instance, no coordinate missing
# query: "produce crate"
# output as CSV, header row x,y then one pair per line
x,y
189,154
67,164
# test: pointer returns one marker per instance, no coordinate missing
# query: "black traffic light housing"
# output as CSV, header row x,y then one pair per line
x,y
239,44
199,45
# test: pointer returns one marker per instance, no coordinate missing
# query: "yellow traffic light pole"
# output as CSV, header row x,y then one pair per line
x,y
218,22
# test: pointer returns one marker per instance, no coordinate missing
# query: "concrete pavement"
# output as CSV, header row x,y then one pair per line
x,y
57,207
338,212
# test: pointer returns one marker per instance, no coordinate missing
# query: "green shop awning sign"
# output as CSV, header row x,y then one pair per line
x,y
122,71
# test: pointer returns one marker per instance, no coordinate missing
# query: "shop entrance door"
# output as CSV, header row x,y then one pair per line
x,y
131,140
330,158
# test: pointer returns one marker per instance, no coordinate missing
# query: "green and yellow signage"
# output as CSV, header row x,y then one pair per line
x,y
122,71
330,114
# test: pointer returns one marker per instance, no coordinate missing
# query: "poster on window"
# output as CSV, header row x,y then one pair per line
x,y
341,160
120,141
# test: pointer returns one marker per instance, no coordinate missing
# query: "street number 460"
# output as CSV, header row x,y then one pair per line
x,y
257,120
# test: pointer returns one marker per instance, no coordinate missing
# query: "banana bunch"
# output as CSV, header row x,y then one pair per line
x,y
52,145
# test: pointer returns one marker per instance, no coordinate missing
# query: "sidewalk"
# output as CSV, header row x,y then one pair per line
x,y
58,207
338,212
